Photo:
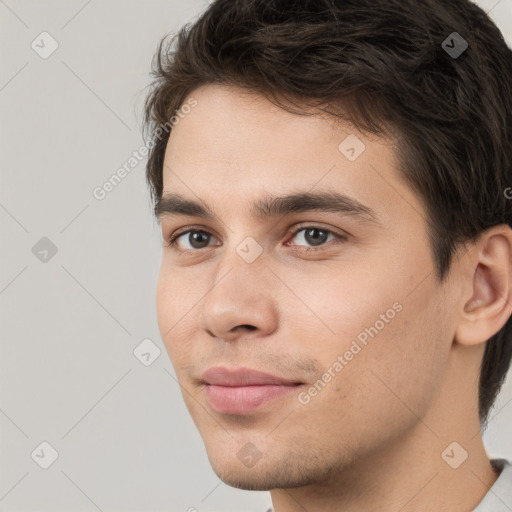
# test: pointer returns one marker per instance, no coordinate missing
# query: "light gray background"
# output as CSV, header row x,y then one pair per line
x,y
69,326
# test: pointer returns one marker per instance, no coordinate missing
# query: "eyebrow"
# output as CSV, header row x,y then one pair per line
x,y
272,206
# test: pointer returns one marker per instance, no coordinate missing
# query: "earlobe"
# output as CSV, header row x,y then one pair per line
x,y
490,305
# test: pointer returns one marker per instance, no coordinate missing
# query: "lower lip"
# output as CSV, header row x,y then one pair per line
x,y
243,399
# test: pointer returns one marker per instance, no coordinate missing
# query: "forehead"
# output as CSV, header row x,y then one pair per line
x,y
234,143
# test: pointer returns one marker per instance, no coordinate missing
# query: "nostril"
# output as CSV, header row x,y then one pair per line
x,y
246,326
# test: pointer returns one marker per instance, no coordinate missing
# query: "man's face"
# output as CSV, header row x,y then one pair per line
x,y
359,321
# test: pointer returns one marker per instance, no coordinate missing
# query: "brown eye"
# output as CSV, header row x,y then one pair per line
x,y
314,236
195,238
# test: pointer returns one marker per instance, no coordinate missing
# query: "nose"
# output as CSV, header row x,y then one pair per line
x,y
240,303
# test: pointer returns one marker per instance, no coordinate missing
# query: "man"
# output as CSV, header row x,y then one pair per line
x,y
336,279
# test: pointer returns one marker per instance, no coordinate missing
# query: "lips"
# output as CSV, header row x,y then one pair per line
x,y
242,390
220,376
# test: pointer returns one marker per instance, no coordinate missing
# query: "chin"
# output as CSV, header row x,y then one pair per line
x,y
232,471
250,483
250,479
265,475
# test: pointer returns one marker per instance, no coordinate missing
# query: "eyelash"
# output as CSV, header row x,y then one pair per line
x,y
171,242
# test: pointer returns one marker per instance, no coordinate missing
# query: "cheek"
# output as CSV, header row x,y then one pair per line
x,y
165,302
384,318
335,303
386,386
175,297
400,368
175,309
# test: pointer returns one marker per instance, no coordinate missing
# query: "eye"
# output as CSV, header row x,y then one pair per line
x,y
316,236
197,239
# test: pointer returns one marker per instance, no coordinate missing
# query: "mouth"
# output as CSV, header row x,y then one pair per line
x,y
243,390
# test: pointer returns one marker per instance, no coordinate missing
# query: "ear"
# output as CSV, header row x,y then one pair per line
x,y
489,305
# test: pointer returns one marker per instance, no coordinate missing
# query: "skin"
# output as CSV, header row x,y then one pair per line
x,y
373,437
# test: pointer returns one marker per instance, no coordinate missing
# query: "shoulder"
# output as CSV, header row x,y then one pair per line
x,y
499,497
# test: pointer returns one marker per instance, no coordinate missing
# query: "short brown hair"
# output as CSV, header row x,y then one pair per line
x,y
384,66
